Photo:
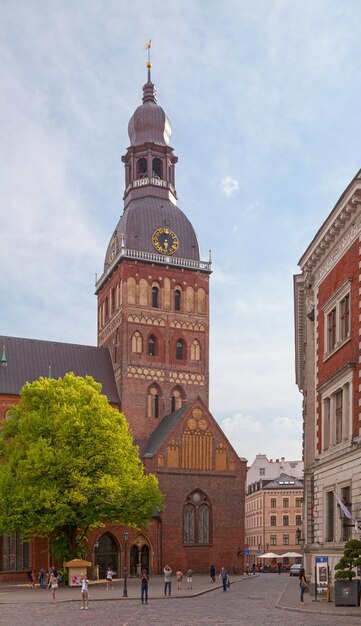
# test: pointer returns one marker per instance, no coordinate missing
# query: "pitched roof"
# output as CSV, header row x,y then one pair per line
x,y
27,359
284,481
164,428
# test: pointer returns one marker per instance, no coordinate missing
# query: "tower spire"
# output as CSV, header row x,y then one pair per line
x,y
148,46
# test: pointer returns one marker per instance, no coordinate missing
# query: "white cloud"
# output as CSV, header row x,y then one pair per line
x,y
280,436
229,186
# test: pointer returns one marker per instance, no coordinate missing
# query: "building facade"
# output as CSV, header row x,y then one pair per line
x,y
327,335
274,517
153,325
264,468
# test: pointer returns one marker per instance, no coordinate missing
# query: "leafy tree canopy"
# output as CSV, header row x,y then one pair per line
x,y
350,560
68,463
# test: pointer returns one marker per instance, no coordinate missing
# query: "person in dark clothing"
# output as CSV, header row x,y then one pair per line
x,y
224,576
303,584
144,579
279,567
31,577
212,574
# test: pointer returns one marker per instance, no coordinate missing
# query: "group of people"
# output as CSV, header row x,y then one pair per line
x,y
44,577
52,579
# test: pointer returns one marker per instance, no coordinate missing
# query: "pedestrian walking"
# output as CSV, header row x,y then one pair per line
x,y
84,591
179,577
167,580
189,579
253,568
144,580
224,577
53,585
212,573
31,577
303,584
109,577
279,567
42,578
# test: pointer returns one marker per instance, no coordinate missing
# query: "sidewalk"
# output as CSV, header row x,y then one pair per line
x,y
19,593
289,600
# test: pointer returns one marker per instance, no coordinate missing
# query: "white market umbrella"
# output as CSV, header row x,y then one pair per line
x,y
269,555
291,554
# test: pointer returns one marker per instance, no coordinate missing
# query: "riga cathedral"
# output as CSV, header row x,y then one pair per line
x,y
152,360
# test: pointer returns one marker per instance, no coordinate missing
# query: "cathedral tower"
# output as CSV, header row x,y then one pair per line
x,y
153,296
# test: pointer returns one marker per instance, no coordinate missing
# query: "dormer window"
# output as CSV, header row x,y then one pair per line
x,y
142,168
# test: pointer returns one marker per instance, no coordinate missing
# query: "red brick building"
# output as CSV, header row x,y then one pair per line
x,y
153,330
328,329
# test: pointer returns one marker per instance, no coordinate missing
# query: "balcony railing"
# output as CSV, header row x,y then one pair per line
x,y
153,257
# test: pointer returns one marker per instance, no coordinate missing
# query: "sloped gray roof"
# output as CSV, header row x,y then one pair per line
x,y
27,359
163,429
284,481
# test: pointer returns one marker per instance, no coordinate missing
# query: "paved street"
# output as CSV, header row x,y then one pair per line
x,y
250,602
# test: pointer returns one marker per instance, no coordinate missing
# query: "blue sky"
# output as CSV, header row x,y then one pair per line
x,y
263,98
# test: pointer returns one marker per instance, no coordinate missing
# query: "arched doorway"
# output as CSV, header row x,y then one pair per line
x,y
107,555
139,558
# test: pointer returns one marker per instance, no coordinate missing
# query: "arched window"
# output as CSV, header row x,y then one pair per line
x,y
137,342
153,401
179,349
155,294
189,515
177,300
196,519
157,168
142,168
112,300
195,350
152,346
106,314
177,398
203,523
116,344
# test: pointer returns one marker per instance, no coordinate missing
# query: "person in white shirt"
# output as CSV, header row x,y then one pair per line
x,y
84,591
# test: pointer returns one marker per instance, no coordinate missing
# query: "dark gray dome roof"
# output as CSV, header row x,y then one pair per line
x,y
149,123
142,218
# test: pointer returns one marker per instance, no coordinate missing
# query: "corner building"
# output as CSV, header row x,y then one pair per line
x,y
328,330
153,322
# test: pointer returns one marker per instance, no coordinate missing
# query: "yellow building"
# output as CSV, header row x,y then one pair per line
x,y
274,518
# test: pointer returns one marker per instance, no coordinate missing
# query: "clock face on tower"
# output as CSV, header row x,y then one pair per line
x,y
165,241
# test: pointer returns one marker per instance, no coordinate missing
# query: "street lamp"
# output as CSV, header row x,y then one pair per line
x,y
95,567
125,590
139,568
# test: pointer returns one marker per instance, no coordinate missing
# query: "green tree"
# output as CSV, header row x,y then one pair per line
x,y
68,463
351,559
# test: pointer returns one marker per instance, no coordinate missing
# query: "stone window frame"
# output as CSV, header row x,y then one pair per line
x,y
332,311
193,514
343,381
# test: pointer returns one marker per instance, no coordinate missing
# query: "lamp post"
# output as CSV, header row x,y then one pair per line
x,y
125,590
96,567
139,567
